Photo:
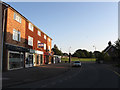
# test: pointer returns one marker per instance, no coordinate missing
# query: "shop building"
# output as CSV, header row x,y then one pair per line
x,y
24,45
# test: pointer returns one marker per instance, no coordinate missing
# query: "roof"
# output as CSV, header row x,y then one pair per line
x,y
108,48
22,16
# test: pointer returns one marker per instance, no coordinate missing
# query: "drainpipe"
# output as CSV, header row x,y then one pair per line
x,y
3,36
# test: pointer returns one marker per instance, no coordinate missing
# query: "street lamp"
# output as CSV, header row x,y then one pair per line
x,y
69,49
69,55
94,47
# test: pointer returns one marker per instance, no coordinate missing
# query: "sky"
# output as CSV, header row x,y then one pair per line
x,y
74,25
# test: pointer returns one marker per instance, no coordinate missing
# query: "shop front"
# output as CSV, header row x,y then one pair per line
x,y
39,59
15,56
30,58
15,60
47,57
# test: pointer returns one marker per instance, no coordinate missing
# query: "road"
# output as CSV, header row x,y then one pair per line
x,y
90,75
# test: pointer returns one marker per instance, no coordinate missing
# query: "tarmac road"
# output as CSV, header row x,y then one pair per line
x,y
90,75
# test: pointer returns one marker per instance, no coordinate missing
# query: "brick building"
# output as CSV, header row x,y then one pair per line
x,y
25,45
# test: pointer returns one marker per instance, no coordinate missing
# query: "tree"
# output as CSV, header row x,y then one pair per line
x,y
82,54
56,50
65,54
91,55
117,46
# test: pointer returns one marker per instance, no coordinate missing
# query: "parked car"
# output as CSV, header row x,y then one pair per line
x,y
76,63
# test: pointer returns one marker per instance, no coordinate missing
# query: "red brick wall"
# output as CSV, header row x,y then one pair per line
x,y
13,24
25,32
35,36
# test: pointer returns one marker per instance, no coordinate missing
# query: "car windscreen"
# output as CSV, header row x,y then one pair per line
x,y
77,62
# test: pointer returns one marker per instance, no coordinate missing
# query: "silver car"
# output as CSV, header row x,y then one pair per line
x,y
76,63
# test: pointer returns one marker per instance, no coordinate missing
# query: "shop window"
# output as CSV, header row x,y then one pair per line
x,y
29,60
16,60
30,27
16,35
30,41
17,17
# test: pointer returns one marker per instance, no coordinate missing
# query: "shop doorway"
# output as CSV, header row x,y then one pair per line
x,y
41,59
29,60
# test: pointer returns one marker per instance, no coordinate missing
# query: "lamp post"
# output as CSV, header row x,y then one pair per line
x,y
94,47
69,55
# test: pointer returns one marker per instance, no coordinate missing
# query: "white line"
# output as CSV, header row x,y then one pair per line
x,y
116,73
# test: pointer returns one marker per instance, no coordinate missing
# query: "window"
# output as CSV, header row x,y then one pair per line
x,y
49,48
30,41
44,46
16,60
44,36
17,18
49,39
30,26
38,43
16,35
39,33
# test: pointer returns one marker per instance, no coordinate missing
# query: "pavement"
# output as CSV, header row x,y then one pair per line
x,y
33,74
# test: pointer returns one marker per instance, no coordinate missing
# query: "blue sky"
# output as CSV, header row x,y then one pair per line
x,y
78,25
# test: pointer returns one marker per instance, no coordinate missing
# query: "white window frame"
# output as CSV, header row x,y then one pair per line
x,y
49,48
39,33
30,40
38,42
16,35
17,17
45,37
30,26
44,46
49,39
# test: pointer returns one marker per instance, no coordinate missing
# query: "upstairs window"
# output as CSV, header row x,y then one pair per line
x,y
49,48
30,27
30,41
16,35
49,39
38,43
45,37
17,18
39,33
44,46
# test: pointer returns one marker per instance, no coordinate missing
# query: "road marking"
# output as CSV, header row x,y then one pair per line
x,y
116,73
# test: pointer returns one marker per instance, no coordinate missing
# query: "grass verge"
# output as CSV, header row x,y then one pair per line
x,y
78,59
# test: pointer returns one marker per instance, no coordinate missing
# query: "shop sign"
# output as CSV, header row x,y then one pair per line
x,y
17,48
40,45
38,52
32,51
